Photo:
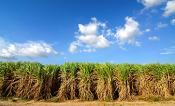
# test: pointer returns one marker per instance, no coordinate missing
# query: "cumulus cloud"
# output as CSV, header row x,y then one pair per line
x,y
73,47
151,3
90,37
94,41
30,49
153,38
128,33
168,51
170,8
173,22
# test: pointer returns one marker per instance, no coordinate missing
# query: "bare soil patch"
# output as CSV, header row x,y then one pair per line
x,y
85,103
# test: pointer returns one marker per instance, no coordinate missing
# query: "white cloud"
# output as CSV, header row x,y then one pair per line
x,y
170,8
88,29
73,47
109,32
128,33
147,30
173,22
94,41
29,49
90,36
161,25
151,3
169,50
153,38
88,50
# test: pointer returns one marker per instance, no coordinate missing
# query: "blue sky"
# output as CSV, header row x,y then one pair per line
x,y
117,31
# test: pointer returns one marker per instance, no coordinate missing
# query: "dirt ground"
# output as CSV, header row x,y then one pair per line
x,y
93,103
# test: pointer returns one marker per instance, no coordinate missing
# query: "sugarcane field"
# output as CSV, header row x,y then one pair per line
x,y
87,82
87,52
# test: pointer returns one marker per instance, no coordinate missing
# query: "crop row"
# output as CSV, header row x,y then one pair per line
x,y
86,81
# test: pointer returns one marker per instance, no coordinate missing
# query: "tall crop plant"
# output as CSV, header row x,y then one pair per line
x,y
69,85
169,79
2,70
9,83
87,84
151,80
128,75
49,80
29,82
105,83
